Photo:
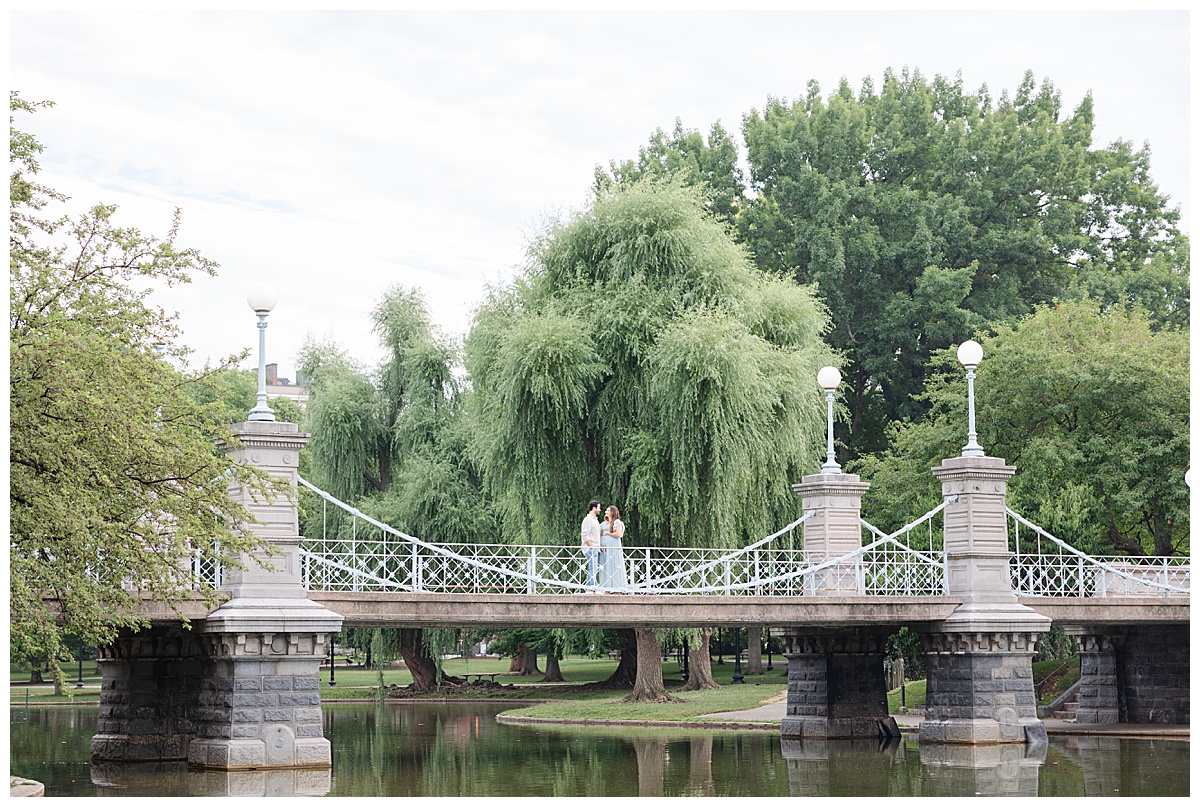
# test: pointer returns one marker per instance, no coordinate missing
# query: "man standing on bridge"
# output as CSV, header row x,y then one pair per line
x,y
589,538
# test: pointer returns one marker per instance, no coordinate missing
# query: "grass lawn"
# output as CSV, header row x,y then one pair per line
x,y
1055,676
20,687
606,705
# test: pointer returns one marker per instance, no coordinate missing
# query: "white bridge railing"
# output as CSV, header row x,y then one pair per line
x,y
1045,566
368,555
378,557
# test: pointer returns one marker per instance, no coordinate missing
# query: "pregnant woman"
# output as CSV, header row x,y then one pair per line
x,y
611,532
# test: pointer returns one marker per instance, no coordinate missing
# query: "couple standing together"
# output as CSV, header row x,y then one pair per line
x,y
601,544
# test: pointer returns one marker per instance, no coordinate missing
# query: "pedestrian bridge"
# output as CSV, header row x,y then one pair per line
x,y
357,553
979,582
375,575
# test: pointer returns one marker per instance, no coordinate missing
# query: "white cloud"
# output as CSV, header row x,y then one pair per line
x,y
334,154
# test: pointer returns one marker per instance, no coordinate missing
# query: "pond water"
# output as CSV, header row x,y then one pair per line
x,y
405,749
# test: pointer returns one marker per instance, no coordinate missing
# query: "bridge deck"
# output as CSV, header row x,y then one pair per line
x,y
395,609
377,609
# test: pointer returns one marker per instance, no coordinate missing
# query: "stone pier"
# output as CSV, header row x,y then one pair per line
x,y
240,692
980,659
1134,675
835,675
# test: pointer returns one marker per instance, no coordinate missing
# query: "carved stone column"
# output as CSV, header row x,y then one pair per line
x,y
260,703
835,676
980,659
979,688
1136,674
833,530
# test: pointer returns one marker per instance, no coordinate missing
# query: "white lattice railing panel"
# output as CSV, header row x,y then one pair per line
x,y
363,554
1046,566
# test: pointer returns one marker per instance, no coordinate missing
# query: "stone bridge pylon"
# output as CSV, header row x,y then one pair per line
x,y
979,660
241,692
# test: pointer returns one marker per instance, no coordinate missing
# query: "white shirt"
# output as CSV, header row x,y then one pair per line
x,y
589,533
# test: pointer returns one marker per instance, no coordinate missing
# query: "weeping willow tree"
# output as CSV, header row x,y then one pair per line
x,y
641,359
393,443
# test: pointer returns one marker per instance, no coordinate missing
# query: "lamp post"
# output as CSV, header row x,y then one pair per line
x,y
829,378
261,300
970,353
770,666
79,682
738,678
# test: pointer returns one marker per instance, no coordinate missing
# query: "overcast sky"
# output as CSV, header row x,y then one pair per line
x,y
332,155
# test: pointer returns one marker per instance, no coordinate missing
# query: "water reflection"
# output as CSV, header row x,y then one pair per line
x,y
459,750
985,770
175,779
844,767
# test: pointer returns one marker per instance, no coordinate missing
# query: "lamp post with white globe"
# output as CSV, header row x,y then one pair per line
x,y
970,353
261,300
829,378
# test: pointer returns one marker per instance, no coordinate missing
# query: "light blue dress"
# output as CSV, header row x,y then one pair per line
x,y
612,559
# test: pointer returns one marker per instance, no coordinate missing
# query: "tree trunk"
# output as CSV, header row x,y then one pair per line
x,y
553,673
417,660
626,673
700,666
1125,544
700,777
35,676
518,661
529,666
648,687
651,755
754,651
1164,545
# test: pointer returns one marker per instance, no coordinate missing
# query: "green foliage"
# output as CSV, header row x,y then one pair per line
x,y
712,166
907,646
234,391
394,443
922,211
286,410
114,469
347,436
1056,644
1091,406
641,359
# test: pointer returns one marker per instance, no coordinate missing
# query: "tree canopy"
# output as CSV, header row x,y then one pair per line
x,y
115,471
922,211
1091,406
393,442
642,359
711,166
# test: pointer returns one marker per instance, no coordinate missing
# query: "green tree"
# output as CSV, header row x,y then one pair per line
x,y
114,474
640,358
236,391
712,166
233,390
286,410
1090,406
394,443
923,211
